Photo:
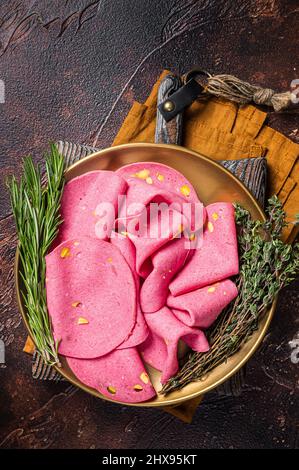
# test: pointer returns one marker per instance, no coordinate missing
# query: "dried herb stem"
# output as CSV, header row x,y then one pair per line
x,y
267,264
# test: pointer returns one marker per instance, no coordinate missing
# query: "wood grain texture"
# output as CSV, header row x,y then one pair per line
x,y
72,70
168,132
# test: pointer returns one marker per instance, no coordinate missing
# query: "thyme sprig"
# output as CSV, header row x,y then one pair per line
x,y
36,211
267,264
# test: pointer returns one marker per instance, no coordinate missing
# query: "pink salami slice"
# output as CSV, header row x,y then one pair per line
x,y
91,297
140,330
141,195
120,375
164,324
89,204
157,193
153,236
166,263
154,351
217,257
201,307
160,175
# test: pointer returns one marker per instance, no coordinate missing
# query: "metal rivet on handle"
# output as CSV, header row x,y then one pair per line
x,y
169,106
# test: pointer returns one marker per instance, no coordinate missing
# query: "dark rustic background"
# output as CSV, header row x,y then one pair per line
x,y
71,70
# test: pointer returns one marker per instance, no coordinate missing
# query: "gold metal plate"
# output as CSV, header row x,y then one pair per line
x,y
213,183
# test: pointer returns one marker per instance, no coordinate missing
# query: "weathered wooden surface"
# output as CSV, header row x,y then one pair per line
x,y
71,71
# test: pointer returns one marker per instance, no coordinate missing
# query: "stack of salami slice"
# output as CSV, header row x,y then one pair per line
x,y
138,266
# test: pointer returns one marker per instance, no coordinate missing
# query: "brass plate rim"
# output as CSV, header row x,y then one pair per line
x,y
167,402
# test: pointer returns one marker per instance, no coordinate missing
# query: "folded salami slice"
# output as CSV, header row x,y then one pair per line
x,y
120,375
201,307
150,182
154,351
160,175
217,256
166,263
140,330
89,205
91,297
160,203
164,226
141,195
164,324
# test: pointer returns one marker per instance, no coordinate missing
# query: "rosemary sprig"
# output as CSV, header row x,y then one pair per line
x,y
36,212
267,264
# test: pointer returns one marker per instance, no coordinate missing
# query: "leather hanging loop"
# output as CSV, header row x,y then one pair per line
x,y
180,99
201,76
198,84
